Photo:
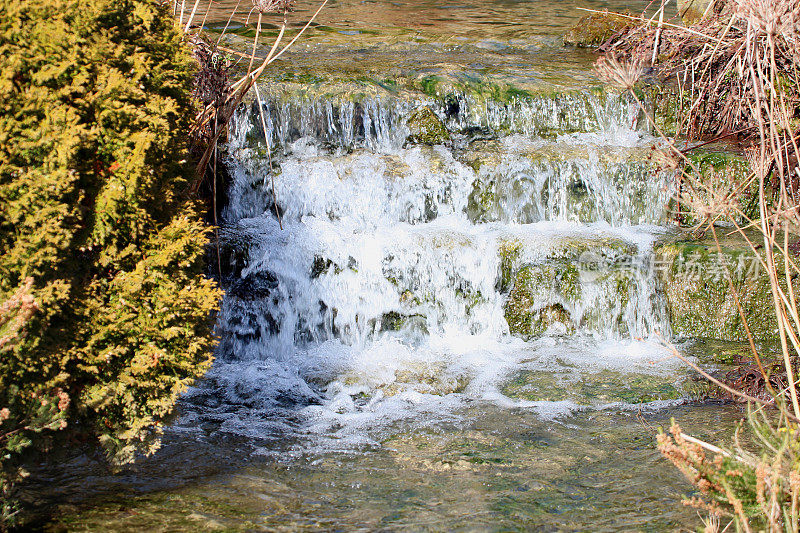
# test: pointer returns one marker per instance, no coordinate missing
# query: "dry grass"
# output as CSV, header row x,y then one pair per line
x,y
219,95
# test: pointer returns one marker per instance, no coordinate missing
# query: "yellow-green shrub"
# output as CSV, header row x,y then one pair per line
x,y
94,109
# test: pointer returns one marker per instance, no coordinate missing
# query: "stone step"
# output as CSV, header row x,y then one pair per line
x,y
351,114
514,180
521,181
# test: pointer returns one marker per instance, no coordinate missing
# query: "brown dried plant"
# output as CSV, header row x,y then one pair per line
x,y
220,96
219,104
770,17
620,73
737,486
274,6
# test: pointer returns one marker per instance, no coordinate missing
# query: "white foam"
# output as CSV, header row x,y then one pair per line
x,y
383,234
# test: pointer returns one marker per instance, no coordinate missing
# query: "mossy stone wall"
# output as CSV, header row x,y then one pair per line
x,y
700,301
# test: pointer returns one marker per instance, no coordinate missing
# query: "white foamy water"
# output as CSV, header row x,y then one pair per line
x,y
376,120
410,281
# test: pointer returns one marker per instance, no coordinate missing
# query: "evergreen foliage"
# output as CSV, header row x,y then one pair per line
x,y
97,232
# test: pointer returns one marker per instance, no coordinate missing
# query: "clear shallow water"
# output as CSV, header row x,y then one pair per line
x,y
462,336
493,470
464,18
387,42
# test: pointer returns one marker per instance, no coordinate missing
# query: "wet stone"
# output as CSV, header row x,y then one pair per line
x,y
581,285
700,302
691,11
596,28
426,127
603,387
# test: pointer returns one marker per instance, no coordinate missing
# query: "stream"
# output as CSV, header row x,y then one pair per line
x,y
461,335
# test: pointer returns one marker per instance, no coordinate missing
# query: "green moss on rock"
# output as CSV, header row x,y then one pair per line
x,y
426,128
537,300
605,386
509,252
699,299
551,293
721,172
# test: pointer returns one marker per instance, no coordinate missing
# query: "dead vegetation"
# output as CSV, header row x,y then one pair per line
x,y
736,68
223,82
221,85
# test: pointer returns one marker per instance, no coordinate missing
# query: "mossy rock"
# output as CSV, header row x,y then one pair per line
x,y
725,355
610,249
552,297
698,295
538,300
426,127
395,321
691,11
572,183
605,386
722,172
666,105
420,376
596,28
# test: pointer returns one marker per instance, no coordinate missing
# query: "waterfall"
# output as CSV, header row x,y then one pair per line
x,y
408,279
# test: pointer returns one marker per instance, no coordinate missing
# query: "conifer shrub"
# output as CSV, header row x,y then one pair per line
x,y
105,315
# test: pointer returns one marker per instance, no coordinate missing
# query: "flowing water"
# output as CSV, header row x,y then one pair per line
x,y
460,336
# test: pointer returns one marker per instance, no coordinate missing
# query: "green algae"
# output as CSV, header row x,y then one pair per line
x,y
605,386
720,172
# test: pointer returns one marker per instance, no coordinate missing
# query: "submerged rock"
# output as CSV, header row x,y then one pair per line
x,y
596,28
722,174
426,127
591,388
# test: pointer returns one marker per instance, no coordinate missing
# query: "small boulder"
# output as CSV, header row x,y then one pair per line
x,y
426,127
596,28
692,11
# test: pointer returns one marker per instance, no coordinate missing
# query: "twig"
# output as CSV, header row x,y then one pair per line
x,y
191,17
720,384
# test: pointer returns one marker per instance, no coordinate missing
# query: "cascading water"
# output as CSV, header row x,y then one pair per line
x,y
410,280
